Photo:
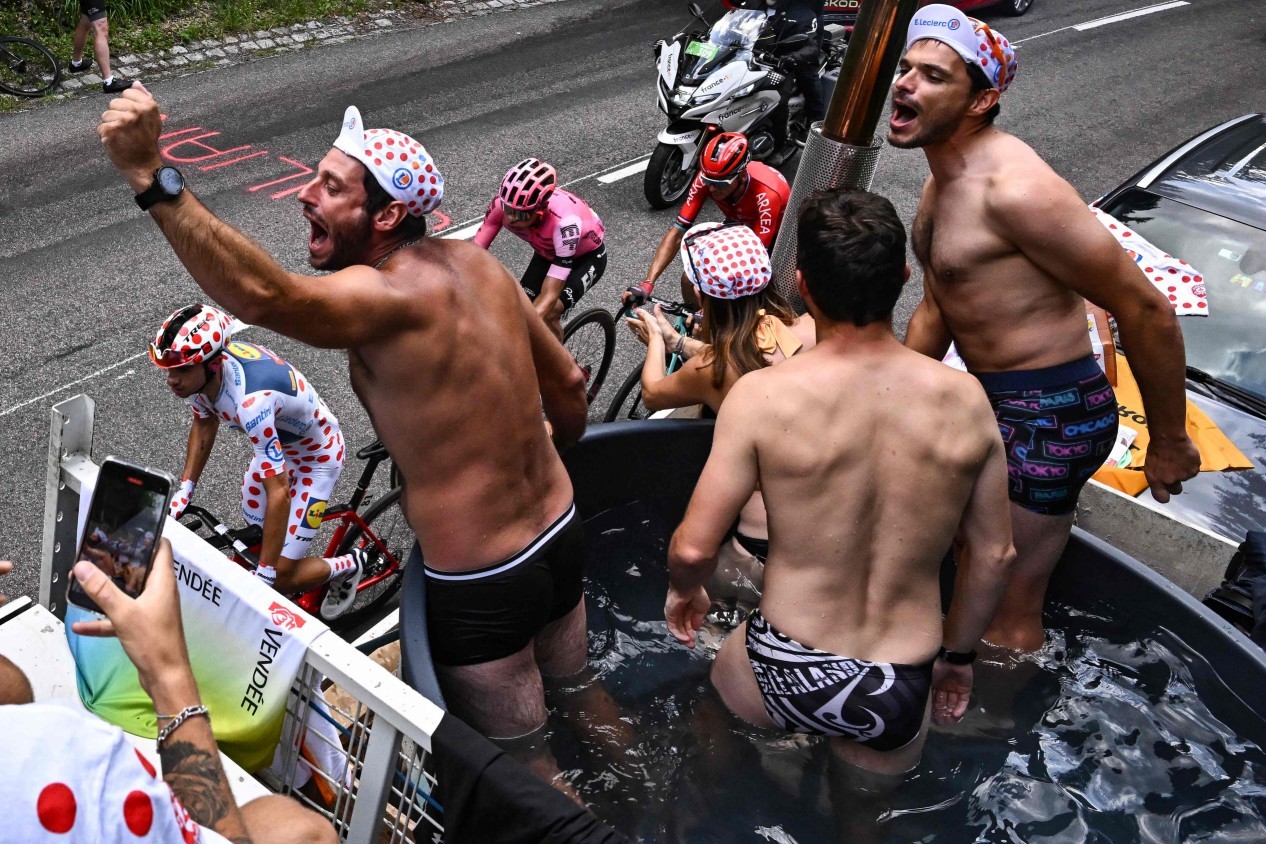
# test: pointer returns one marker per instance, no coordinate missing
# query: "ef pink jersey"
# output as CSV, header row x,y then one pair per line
x,y
271,402
568,230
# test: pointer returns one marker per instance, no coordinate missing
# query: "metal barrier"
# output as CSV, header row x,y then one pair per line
x,y
385,738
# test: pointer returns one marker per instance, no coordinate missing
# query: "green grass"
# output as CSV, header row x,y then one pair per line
x,y
145,25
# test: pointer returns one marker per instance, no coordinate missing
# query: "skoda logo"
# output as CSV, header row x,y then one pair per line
x,y
954,24
402,178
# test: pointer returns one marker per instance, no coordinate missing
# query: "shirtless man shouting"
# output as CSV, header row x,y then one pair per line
x,y
1009,253
872,458
453,366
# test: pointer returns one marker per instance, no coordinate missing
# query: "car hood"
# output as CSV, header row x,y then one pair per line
x,y
1226,503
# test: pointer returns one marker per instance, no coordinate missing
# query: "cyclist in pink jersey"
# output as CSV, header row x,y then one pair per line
x,y
297,444
563,231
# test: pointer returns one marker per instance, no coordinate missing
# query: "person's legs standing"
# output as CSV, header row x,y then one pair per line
x,y
101,46
77,44
1039,542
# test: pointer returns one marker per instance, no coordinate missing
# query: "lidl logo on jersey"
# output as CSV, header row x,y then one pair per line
x,y
316,511
402,178
244,351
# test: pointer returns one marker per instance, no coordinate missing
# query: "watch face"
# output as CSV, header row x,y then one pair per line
x,y
171,180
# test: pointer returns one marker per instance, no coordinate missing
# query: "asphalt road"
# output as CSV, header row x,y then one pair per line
x,y
85,279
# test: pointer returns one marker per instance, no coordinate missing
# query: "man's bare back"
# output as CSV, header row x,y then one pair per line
x,y
867,460
454,399
872,459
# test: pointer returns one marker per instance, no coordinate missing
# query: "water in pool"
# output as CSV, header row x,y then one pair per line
x,y
1100,737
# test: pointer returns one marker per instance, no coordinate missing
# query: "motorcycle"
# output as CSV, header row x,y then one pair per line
x,y
718,81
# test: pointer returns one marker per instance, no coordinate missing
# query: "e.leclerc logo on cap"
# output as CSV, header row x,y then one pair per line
x,y
950,24
954,24
402,178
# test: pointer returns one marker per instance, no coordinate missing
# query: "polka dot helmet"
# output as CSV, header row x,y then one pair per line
x,y
195,334
401,165
528,185
725,261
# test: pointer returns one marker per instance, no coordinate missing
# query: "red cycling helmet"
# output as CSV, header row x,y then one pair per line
x,y
724,157
195,334
528,185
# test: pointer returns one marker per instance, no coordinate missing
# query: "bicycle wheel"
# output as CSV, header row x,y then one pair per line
x,y
627,404
385,519
27,69
590,338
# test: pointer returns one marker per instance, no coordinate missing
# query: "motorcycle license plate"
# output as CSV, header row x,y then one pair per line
x,y
702,49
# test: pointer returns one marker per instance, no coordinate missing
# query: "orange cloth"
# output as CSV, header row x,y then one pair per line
x,y
1217,453
772,333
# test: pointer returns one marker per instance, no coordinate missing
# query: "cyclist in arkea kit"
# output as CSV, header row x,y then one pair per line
x,y
565,233
746,191
297,443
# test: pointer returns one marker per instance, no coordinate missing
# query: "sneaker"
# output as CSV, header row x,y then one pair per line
x,y
115,85
342,592
81,65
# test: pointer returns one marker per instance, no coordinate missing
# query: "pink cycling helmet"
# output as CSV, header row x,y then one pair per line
x,y
195,334
528,185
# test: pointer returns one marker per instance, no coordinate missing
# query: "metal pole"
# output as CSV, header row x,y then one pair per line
x,y
842,149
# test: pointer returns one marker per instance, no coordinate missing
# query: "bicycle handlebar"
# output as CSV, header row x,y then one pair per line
x,y
680,309
213,524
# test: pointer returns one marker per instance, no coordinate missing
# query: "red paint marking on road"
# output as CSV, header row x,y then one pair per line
x,y
305,170
179,132
234,160
196,141
444,221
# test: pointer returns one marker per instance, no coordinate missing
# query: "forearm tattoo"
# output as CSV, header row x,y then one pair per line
x,y
197,778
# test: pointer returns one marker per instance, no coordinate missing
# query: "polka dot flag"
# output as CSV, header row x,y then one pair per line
x,y
1181,283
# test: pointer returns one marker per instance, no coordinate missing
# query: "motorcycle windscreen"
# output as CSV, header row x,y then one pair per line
x,y
733,35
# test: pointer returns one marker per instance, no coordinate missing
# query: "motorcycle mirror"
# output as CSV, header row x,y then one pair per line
x,y
698,13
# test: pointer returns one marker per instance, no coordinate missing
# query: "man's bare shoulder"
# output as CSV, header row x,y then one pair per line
x,y
1020,186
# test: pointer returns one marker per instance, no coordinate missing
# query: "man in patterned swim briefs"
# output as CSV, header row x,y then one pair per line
x,y
1010,255
872,459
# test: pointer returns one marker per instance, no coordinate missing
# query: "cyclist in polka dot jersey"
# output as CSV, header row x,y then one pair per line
x,y
297,444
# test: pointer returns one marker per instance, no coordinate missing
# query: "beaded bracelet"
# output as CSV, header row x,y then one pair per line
x,y
178,719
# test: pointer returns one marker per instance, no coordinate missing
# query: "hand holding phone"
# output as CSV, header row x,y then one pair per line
x,y
125,522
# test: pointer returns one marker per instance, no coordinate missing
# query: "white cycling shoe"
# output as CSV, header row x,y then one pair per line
x,y
342,592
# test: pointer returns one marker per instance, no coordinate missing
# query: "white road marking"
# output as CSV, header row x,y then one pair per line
x,y
464,233
625,172
1098,22
70,384
238,327
1137,13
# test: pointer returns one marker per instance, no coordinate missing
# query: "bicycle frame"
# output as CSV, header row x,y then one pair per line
x,y
348,516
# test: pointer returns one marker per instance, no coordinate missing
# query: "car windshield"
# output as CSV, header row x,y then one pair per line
x,y
1229,343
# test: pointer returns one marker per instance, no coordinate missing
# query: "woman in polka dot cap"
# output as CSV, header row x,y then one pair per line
x,y
746,326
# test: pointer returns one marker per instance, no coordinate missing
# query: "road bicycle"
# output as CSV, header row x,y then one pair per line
x,y
590,337
377,525
27,68
627,404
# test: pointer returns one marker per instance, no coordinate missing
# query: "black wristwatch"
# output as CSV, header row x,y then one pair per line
x,y
168,184
957,657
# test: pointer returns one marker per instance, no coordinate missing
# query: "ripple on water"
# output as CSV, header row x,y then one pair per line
x,y
1099,737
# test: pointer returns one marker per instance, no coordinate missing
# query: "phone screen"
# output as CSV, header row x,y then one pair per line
x,y
124,523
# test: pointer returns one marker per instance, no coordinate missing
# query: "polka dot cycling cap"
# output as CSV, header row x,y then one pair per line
x,y
400,164
70,777
727,262
970,38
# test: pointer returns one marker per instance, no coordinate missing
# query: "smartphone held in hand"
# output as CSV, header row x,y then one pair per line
x,y
125,521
